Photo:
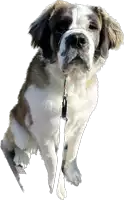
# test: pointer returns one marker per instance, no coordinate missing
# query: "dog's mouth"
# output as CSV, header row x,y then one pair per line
x,y
76,63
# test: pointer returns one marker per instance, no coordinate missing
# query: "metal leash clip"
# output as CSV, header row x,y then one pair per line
x,y
64,107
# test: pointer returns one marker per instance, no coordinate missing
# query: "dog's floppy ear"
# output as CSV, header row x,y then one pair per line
x,y
111,36
114,30
40,32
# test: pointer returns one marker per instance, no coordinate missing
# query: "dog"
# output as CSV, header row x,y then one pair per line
x,y
74,41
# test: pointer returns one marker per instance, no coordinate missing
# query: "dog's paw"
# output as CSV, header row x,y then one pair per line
x,y
32,148
72,173
61,192
21,158
60,185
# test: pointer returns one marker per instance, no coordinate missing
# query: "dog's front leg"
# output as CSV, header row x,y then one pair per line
x,y
69,167
48,154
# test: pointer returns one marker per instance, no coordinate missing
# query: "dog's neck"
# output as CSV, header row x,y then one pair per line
x,y
76,77
77,82
43,73
57,75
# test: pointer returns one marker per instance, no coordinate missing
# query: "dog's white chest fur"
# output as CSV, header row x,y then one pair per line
x,y
45,106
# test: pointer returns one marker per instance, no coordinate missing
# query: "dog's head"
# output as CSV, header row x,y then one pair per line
x,y
75,35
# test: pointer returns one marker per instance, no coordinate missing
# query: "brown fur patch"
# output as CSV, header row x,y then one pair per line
x,y
9,137
36,73
20,110
59,4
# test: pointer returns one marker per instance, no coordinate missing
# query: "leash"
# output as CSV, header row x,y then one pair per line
x,y
63,120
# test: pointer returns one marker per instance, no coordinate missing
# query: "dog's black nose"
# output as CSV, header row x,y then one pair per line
x,y
77,40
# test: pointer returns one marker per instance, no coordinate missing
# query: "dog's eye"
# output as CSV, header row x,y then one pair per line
x,y
62,26
93,26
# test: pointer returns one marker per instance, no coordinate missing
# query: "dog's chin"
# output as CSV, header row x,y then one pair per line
x,y
77,61
75,65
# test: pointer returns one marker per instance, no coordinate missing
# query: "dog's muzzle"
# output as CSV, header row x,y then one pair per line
x,y
75,52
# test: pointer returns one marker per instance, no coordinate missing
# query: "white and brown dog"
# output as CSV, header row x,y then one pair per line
x,y
74,40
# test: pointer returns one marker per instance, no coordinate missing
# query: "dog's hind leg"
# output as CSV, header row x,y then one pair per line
x,y
18,138
8,144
